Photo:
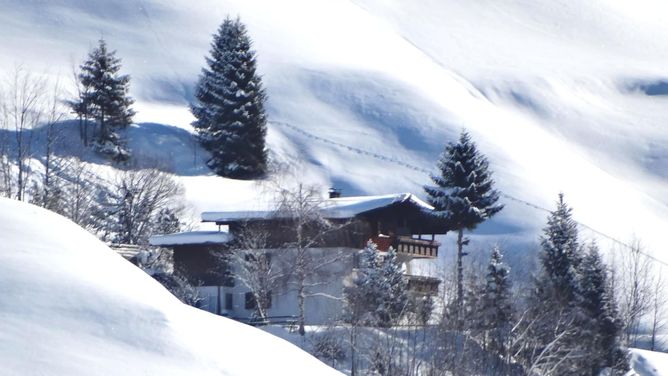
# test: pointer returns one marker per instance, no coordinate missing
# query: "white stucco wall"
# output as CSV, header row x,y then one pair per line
x,y
325,288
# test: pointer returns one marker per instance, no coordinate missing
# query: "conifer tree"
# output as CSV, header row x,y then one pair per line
x,y
464,196
559,323
394,286
229,106
604,328
497,308
571,326
104,98
360,297
561,257
377,294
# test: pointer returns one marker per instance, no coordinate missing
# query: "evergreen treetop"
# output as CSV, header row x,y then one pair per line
x,y
497,305
463,192
561,253
104,97
229,105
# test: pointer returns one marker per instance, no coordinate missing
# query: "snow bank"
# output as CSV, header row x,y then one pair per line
x,y
71,306
649,363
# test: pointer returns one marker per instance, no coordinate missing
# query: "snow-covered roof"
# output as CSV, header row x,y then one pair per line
x,y
332,208
191,237
348,207
126,250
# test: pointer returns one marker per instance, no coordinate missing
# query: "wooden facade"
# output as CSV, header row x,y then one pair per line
x,y
204,264
399,221
404,226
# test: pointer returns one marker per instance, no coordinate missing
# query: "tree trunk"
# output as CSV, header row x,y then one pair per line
x,y
103,127
353,368
81,130
460,279
301,297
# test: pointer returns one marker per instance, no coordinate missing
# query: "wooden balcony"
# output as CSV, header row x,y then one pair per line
x,y
407,246
419,248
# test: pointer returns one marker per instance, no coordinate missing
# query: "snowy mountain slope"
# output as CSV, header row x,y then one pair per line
x,y
71,306
561,96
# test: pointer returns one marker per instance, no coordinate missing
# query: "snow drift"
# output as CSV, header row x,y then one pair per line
x,y
71,306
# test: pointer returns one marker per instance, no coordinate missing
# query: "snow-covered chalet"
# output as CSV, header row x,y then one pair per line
x,y
401,221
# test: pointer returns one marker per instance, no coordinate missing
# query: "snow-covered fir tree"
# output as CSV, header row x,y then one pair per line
x,y
557,300
497,306
604,327
360,296
564,327
394,285
103,97
377,294
463,194
229,106
560,257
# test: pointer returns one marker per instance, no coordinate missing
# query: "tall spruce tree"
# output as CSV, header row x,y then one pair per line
x,y
229,106
561,257
572,325
464,196
559,323
604,326
104,98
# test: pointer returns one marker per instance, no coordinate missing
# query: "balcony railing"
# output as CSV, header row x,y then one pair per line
x,y
408,246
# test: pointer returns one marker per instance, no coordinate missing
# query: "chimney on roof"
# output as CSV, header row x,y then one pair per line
x,y
334,193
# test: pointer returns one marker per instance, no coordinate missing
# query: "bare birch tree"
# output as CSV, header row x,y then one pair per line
x,y
301,210
23,110
636,289
255,267
49,191
133,203
658,313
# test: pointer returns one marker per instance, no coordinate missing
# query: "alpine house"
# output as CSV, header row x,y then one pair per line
x,y
401,221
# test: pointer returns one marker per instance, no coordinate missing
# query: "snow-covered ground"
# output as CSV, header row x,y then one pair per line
x,y
562,96
649,363
71,306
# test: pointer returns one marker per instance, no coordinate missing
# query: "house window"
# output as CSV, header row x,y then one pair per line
x,y
252,304
250,301
229,300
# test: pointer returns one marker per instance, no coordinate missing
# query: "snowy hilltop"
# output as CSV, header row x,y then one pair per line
x,y
71,306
